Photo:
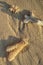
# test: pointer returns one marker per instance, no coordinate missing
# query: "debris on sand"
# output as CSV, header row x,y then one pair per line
x,y
14,9
15,49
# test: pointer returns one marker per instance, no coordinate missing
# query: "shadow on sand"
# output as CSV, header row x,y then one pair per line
x,y
4,43
20,15
7,42
11,40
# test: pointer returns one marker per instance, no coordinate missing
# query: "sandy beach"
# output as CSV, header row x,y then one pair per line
x,y
9,33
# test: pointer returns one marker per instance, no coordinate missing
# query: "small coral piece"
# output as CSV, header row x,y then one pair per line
x,y
15,49
14,9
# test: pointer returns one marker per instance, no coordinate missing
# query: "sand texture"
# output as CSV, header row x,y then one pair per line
x,y
11,30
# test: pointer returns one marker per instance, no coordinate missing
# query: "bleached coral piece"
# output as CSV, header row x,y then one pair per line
x,y
14,9
19,46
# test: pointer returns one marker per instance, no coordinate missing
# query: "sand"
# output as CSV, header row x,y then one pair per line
x,y
33,53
